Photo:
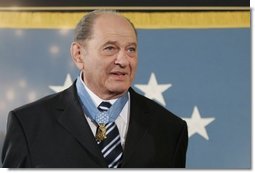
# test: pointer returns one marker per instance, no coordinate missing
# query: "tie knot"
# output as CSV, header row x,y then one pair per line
x,y
104,106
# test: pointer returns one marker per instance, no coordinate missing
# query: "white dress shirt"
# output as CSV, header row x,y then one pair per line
x,y
122,120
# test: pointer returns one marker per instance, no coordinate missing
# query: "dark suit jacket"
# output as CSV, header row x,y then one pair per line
x,y
53,132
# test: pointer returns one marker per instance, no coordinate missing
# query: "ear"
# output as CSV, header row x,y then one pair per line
x,y
75,51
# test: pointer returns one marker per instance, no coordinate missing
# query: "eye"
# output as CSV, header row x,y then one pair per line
x,y
132,49
109,48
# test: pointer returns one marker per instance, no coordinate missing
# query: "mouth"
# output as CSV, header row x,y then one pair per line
x,y
119,75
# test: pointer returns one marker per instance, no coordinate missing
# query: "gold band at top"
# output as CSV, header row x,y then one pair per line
x,y
141,20
130,8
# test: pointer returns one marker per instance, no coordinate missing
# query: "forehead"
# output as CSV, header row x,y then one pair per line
x,y
113,26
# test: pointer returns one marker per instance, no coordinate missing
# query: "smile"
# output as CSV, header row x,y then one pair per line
x,y
119,75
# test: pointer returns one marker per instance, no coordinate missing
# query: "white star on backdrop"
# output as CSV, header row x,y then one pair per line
x,y
153,90
68,83
196,124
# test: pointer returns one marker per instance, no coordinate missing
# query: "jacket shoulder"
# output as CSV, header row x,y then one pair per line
x,y
158,112
47,100
44,106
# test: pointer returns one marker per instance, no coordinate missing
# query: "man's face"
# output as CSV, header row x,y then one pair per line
x,y
110,56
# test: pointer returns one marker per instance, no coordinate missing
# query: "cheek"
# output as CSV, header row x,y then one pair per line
x,y
101,73
133,65
93,65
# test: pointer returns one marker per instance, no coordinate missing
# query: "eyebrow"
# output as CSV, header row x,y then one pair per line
x,y
115,42
110,42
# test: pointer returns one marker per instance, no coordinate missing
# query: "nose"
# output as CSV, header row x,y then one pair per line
x,y
122,59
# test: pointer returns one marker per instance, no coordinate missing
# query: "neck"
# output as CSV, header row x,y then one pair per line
x,y
110,96
104,95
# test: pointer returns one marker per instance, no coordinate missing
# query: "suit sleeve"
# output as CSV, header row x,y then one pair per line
x,y
15,148
181,150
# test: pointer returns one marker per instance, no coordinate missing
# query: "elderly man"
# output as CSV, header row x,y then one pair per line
x,y
100,121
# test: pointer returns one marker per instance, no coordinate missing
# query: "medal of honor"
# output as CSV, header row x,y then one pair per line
x,y
101,132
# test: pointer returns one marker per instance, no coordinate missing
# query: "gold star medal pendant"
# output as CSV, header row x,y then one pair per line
x,y
101,132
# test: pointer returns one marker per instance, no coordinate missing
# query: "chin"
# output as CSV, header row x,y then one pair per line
x,y
119,90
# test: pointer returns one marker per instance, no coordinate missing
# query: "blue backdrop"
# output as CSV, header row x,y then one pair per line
x,y
201,75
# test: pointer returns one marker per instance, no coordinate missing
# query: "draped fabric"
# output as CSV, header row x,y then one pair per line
x,y
141,20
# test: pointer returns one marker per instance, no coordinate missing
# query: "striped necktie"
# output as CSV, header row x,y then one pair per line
x,y
111,146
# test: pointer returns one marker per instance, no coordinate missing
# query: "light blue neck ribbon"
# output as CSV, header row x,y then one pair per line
x,y
91,110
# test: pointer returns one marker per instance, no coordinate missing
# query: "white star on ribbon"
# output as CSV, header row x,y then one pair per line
x,y
153,90
196,124
68,83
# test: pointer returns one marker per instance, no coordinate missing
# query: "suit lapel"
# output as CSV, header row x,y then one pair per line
x,y
71,117
138,126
